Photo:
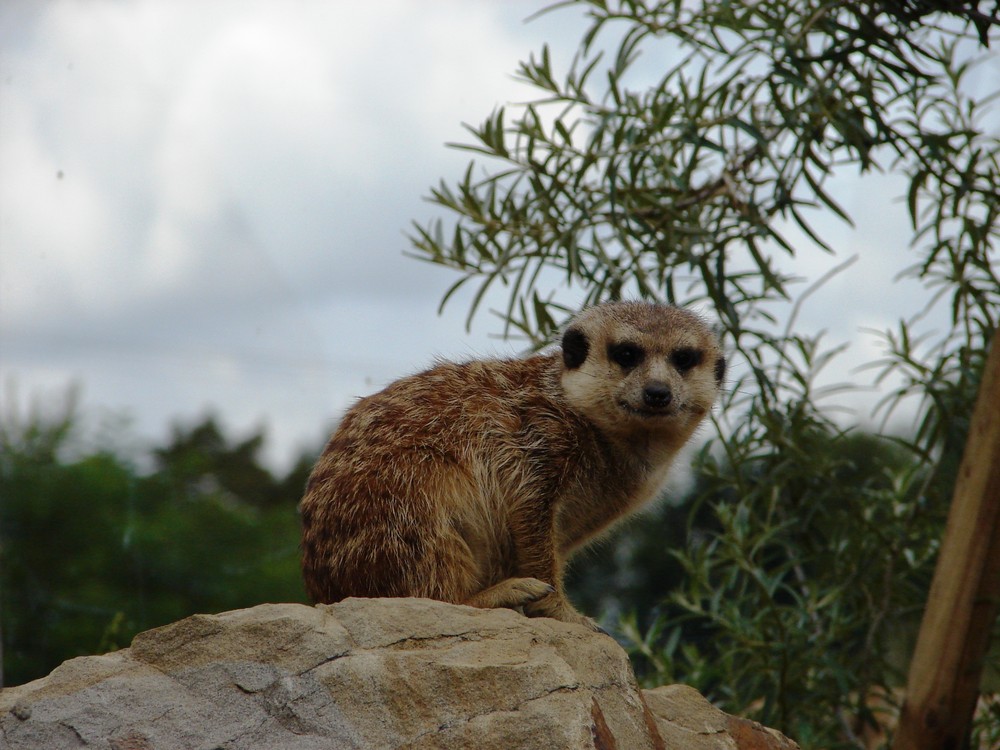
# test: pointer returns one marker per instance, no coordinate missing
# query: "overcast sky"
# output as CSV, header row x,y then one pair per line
x,y
203,205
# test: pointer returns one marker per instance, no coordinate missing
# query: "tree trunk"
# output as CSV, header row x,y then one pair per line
x,y
962,605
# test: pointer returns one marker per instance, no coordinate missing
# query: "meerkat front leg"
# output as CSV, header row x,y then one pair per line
x,y
557,606
511,593
536,582
537,558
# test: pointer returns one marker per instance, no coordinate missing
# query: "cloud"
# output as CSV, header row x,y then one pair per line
x,y
176,143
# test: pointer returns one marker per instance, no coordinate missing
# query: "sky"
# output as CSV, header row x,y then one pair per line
x,y
204,206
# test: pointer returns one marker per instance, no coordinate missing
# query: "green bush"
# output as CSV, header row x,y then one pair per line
x,y
93,550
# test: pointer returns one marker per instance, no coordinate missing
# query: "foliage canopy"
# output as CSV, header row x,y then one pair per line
x,y
94,549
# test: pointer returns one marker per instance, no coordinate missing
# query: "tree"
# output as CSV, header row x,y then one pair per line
x,y
686,186
93,550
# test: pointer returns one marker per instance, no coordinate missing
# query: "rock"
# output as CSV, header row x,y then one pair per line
x,y
364,673
685,719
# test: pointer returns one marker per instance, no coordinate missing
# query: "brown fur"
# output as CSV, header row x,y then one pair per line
x,y
473,483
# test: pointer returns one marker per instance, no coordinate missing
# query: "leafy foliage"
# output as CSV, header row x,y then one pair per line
x,y
809,547
93,550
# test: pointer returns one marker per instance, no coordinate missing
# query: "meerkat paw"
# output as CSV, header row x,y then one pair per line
x,y
511,593
556,607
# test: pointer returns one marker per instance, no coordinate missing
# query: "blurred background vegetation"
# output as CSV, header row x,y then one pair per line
x,y
98,543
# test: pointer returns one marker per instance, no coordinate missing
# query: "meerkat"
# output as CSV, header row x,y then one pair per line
x,y
473,483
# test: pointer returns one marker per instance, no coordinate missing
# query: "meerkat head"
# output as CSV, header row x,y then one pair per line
x,y
637,368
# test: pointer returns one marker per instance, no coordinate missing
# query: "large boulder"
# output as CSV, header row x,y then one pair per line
x,y
368,674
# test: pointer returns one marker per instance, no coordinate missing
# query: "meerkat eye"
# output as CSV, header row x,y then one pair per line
x,y
626,354
685,359
575,348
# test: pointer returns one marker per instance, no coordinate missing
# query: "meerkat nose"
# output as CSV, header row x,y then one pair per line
x,y
656,395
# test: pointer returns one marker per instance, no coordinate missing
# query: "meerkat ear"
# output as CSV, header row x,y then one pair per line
x,y
720,369
574,348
